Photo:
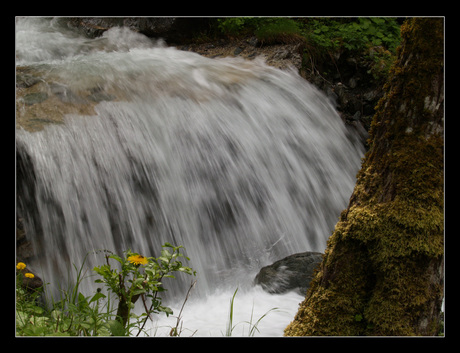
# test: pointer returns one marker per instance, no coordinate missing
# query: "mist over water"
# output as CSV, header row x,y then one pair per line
x,y
239,162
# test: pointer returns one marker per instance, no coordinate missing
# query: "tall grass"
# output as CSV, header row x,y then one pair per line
x,y
253,327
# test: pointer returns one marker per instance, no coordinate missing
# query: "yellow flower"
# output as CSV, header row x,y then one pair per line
x,y
138,260
29,275
21,266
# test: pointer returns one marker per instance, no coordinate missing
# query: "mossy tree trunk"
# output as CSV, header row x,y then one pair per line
x,y
383,269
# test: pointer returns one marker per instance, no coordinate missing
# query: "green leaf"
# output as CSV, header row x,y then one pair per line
x,y
163,259
138,291
186,270
32,330
166,253
87,324
165,309
82,302
21,318
37,310
378,20
97,296
56,313
116,257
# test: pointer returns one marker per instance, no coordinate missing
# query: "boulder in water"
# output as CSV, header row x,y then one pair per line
x,y
294,272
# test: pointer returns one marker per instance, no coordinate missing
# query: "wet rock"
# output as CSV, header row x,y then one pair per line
x,y
281,56
171,29
64,94
253,41
30,284
34,98
238,50
294,272
24,251
100,96
26,81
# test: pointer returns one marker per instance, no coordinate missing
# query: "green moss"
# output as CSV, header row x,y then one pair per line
x,y
382,263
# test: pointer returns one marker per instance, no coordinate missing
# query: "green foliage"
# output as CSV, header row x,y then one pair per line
x,y
374,39
232,25
277,30
355,34
371,41
269,30
74,314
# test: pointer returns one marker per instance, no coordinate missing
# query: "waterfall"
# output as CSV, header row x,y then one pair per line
x,y
239,162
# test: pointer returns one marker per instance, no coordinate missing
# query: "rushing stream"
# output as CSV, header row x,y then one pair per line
x,y
241,163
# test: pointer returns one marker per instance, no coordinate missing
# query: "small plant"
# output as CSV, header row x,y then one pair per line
x,y
141,277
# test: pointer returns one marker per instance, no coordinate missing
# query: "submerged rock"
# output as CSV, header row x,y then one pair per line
x,y
294,272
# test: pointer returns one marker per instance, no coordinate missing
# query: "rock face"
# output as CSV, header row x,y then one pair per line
x,y
172,29
24,252
281,56
294,272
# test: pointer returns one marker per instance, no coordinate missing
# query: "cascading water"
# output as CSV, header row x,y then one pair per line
x,y
239,162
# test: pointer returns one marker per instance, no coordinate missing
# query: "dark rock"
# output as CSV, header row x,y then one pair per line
x,y
100,96
253,41
171,29
352,82
281,54
294,272
357,116
24,252
238,50
30,284
371,95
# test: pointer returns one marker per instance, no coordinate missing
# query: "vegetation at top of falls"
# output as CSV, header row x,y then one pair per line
x,y
329,33
269,30
374,38
355,33
74,314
